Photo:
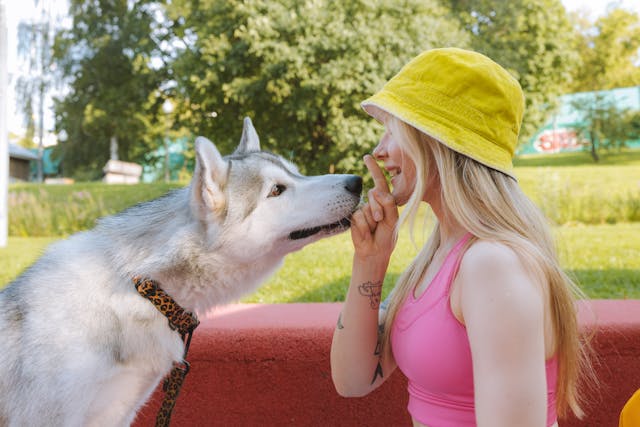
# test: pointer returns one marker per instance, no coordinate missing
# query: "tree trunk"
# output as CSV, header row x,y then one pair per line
x,y
167,172
113,145
594,147
41,130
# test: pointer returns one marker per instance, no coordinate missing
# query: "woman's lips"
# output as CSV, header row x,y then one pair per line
x,y
393,174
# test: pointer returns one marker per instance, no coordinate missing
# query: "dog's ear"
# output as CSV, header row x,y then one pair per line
x,y
208,179
249,140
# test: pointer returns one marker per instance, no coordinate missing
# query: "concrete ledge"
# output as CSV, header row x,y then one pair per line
x,y
268,365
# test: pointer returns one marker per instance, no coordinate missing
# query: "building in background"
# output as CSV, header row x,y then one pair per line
x,y
180,161
560,133
119,172
20,163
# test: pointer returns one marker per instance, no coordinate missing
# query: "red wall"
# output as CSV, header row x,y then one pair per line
x,y
268,365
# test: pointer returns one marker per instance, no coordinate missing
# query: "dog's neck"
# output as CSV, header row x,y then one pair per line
x,y
165,242
215,282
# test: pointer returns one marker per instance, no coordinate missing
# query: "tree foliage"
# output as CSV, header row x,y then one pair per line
x,y
605,125
609,50
298,69
113,89
533,39
35,40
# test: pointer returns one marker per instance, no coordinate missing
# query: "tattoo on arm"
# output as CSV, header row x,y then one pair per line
x,y
377,373
372,291
378,352
340,325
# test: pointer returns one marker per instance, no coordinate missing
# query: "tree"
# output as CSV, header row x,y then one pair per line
x,y
609,50
113,106
35,44
298,69
604,124
533,39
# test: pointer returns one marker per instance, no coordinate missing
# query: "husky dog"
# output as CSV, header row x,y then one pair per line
x,y
81,347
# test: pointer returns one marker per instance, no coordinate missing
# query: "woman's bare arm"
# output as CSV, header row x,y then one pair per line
x,y
357,365
503,310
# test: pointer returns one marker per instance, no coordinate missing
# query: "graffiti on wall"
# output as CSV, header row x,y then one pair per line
x,y
558,140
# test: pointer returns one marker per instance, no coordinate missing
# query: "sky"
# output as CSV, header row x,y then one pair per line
x,y
18,10
599,7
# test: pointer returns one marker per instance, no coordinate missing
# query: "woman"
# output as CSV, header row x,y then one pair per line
x,y
483,322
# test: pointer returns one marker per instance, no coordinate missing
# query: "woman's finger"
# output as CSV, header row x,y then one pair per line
x,y
359,227
379,181
368,215
376,209
387,203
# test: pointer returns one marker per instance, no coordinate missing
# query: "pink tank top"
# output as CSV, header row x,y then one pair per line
x,y
431,348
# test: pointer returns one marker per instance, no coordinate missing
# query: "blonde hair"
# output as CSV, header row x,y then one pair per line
x,y
491,206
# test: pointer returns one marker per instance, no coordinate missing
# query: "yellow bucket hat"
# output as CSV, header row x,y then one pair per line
x,y
461,98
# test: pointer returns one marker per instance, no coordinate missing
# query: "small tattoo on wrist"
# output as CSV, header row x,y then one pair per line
x,y
373,291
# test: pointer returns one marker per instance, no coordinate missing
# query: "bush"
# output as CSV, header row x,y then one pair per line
x,y
46,210
569,192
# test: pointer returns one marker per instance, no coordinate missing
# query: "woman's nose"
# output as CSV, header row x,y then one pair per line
x,y
379,151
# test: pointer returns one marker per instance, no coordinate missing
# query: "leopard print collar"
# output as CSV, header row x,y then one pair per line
x,y
179,320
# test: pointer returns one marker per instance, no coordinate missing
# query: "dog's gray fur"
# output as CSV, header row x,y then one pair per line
x,y
82,348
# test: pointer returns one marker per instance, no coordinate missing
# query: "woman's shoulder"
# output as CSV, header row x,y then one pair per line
x,y
484,254
495,266
494,285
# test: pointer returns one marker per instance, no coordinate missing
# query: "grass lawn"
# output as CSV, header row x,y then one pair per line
x,y
605,260
19,254
120,196
570,187
603,256
59,210
626,157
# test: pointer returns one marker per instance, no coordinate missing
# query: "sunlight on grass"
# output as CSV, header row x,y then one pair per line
x,y
58,210
605,260
626,157
19,254
569,188
588,194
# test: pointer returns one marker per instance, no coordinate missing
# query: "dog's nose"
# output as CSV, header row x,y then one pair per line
x,y
353,184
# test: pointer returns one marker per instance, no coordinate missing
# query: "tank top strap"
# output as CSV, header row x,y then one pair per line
x,y
453,260
441,282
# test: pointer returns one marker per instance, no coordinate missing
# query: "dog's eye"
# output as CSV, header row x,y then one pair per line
x,y
277,190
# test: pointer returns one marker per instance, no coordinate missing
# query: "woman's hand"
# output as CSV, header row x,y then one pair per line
x,y
373,225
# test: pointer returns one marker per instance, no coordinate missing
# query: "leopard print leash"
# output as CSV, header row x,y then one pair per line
x,y
179,320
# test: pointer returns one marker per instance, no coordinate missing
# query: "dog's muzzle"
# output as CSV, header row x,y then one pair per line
x,y
344,223
353,185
